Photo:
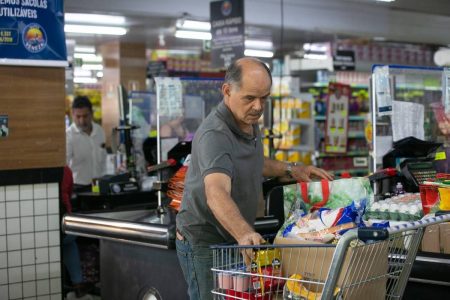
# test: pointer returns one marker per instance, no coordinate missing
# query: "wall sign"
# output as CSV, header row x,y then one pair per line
x,y
4,128
227,30
32,33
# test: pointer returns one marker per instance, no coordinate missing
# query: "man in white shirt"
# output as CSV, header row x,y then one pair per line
x,y
85,145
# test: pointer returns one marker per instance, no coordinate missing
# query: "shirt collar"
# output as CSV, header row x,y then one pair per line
x,y
78,130
224,113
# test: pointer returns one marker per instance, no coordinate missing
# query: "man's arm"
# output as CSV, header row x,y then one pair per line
x,y
218,195
274,168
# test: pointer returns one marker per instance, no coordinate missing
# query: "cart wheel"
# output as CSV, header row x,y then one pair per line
x,y
149,293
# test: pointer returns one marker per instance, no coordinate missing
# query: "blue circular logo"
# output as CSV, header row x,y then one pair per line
x,y
226,8
34,38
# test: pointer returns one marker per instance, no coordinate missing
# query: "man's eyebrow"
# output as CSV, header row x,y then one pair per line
x,y
253,96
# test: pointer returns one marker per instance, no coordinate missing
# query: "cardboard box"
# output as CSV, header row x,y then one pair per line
x,y
444,237
430,240
360,264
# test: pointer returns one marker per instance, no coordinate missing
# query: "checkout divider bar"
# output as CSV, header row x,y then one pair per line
x,y
153,235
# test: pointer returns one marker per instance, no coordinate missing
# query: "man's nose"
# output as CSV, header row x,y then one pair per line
x,y
259,105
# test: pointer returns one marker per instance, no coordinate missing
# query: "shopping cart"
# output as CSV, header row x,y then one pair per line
x,y
367,263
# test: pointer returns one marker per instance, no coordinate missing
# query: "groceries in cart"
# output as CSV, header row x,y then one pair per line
x,y
323,225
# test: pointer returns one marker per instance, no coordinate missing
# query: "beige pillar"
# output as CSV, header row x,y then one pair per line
x,y
123,63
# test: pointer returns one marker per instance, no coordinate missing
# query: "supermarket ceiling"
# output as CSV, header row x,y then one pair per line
x,y
415,21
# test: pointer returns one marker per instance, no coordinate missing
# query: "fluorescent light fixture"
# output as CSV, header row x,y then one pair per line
x,y
259,44
93,67
385,0
85,80
94,19
89,29
196,35
85,49
99,74
316,47
258,53
78,72
315,56
184,52
194,25
379,38
88,57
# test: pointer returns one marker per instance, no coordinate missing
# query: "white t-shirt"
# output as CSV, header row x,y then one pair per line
x,y
85,154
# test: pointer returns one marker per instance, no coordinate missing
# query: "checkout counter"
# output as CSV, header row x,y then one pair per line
x,y
430,274
138,259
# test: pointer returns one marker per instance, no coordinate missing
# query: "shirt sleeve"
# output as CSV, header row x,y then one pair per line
x,y
214,154
69,149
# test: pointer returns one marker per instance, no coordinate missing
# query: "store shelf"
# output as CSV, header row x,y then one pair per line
x,y
356,134
350,118
301,121
351,135
350,153
302,148
325,85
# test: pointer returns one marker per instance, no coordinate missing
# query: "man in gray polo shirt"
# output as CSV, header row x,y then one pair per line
x,y
224,179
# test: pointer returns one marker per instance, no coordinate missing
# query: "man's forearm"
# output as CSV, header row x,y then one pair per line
x,y
274,168
227,213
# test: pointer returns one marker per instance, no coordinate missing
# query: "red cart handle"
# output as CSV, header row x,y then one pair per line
x,y
325,193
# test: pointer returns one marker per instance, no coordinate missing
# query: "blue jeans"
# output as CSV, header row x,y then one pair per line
x,y
71,259
196,263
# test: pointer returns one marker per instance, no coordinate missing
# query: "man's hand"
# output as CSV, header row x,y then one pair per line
x,y
306,173
249,239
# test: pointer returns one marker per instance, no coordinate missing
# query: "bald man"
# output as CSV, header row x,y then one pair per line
x,y
224,179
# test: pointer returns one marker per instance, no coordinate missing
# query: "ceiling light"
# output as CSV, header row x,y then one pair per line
x,y
197,35
94,19
85,80
314,56
88,57
99,74
88,29
258,53
85,49
259,44
385,0
194,25
93,67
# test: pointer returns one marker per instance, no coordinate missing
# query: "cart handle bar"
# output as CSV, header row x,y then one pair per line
x,y
381,234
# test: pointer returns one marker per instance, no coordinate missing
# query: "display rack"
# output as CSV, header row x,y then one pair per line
x,y
355,160
406,85
292,120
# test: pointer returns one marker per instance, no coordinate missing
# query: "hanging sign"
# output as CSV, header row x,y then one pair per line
x,y
383,96
336,134
32,33
344,60
227,30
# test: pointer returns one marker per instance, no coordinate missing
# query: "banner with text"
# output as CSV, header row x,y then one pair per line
x,y
32,33
227,30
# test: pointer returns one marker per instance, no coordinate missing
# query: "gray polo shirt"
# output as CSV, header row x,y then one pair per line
x,y
220,146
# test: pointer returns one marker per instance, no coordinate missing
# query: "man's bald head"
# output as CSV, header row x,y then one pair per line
x,y
234,72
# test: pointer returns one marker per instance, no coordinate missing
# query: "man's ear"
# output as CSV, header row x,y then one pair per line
x,y
226,89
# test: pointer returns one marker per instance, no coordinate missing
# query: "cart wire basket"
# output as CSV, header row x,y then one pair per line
x,y
367,263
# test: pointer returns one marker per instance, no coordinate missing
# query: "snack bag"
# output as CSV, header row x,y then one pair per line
x,y
265,266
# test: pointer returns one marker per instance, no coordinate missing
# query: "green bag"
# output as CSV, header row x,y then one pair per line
x,y
329,194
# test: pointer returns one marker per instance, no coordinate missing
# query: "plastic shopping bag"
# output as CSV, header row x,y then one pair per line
x,y
329,194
